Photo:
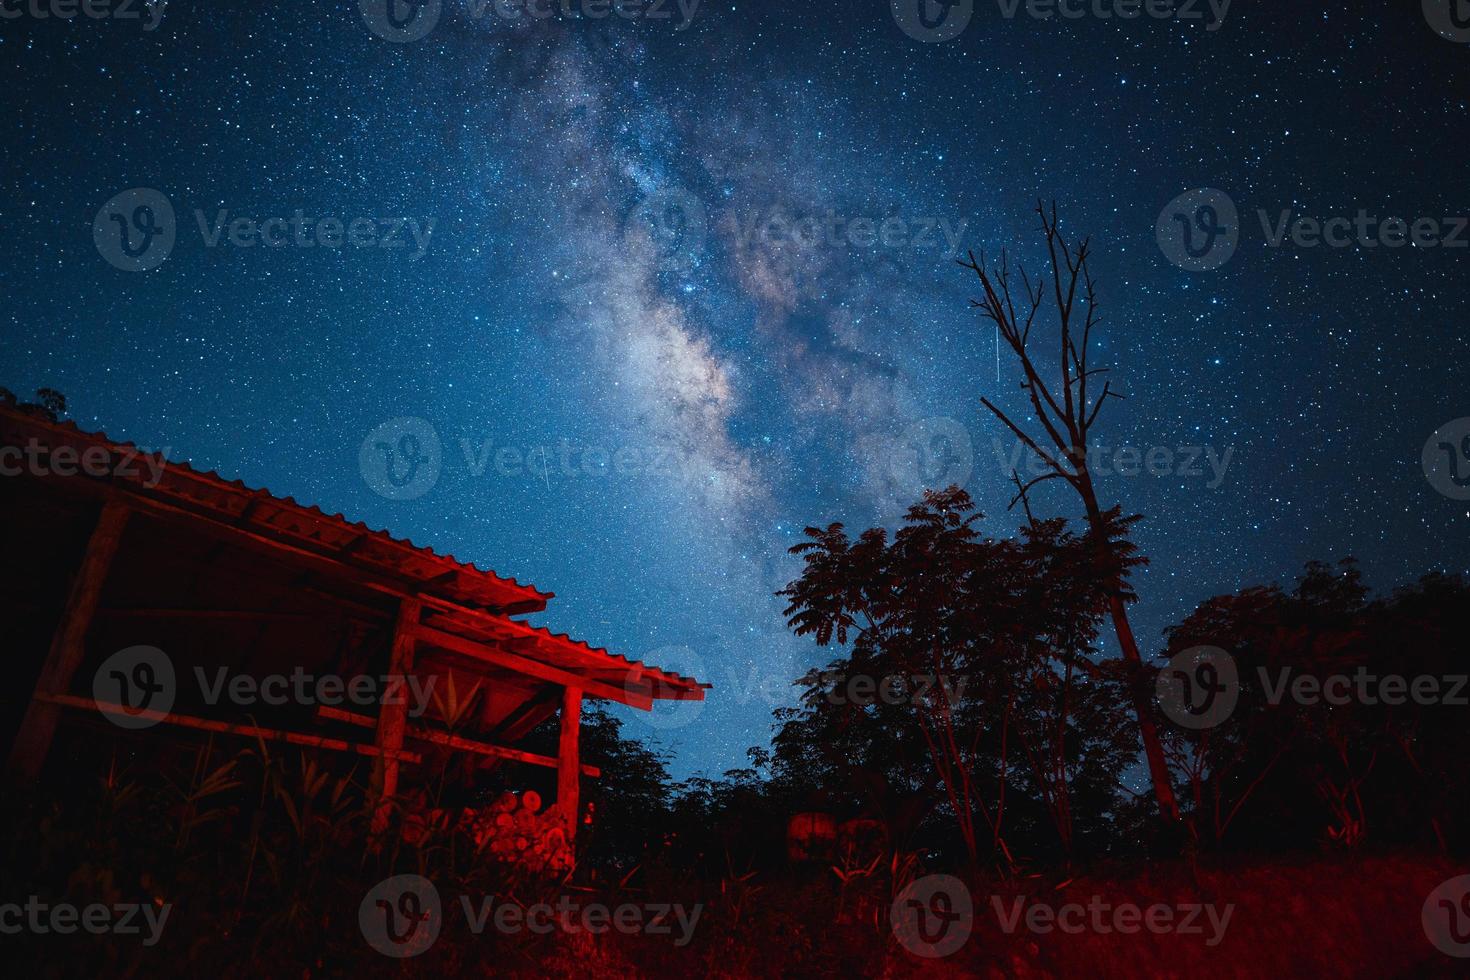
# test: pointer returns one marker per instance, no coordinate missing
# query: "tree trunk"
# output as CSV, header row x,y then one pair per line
x,y
1153,749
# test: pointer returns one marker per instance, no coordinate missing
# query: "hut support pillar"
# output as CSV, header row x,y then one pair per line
x,y
569,763
393,718
68,643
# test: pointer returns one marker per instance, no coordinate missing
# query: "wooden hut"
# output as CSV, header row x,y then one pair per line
x,y
108,549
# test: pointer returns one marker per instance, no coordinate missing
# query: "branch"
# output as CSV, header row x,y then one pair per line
x,y
1021,492
1030,443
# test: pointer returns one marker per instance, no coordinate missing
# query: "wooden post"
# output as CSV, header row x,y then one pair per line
x,y
393,718
568,762
68,643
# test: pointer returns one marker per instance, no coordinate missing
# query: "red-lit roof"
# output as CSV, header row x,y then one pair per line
x,y
474,603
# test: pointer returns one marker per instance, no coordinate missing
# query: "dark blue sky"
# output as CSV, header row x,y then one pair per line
x,y
603,273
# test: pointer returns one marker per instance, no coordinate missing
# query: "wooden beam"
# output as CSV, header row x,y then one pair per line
x,y
224,727
532,712
393,718
245,614
454,741
209,520
517,637
568,761
68,643
639,696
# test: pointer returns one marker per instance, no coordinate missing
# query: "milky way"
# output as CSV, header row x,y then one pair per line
x,y
684,285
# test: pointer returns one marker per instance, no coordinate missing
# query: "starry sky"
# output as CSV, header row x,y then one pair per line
x,y
644,380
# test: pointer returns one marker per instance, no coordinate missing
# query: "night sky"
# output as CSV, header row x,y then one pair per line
x,y
603,275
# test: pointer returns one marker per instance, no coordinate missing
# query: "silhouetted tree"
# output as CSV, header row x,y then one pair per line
x,y
985,644
1066,409
1282,772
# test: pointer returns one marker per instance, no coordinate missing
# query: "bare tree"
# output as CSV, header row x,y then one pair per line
x,y
1066,411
